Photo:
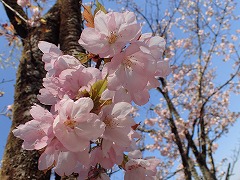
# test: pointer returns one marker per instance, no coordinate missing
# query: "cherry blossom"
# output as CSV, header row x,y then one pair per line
x,y
74,125
90,125
65,161
109,158
55,61
92,173
40,129
132,69
122,95
163,68
50,94
137,167
118,123
75,81
111,32
156,45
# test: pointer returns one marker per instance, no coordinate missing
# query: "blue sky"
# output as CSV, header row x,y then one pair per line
x,y
226,144
7,99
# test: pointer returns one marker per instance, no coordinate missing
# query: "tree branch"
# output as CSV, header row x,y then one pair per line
x,y
174,130
15,14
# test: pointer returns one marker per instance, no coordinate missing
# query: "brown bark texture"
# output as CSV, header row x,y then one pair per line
x,y
63,26
69,34
17,163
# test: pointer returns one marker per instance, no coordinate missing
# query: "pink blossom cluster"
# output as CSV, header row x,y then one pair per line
x,y
135,58
89,127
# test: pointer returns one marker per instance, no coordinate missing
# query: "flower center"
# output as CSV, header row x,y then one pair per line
x,y
70,123
127,62
110,123
112,38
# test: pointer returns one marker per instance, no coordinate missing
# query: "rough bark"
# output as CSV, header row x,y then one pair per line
x,y
17,163
70,26
70,31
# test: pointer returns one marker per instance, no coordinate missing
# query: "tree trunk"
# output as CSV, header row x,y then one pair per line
x,y
70,31
17,163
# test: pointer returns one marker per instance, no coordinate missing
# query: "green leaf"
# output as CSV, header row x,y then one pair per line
x,y
83,93
95,94
97,89
100,7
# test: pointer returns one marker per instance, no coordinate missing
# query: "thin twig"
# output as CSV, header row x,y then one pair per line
x,y
9,7
5,81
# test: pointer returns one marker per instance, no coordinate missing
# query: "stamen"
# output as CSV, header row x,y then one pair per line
x,y
127,62
70,123
110,123
112,38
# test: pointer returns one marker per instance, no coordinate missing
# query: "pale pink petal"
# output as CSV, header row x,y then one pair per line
x,y
114,82
83,157
130,17
140,98
97,156
115,62
46,58
121,109
66,163
66,62
33,135
83,105
118,135
69,138
135,154
122,95
134,81
45,161
47,47
47,158
100,22
95,43
135,174
133,31
145,37
39,112
90,123
115,21
163,69
112,49
153,83
107,94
